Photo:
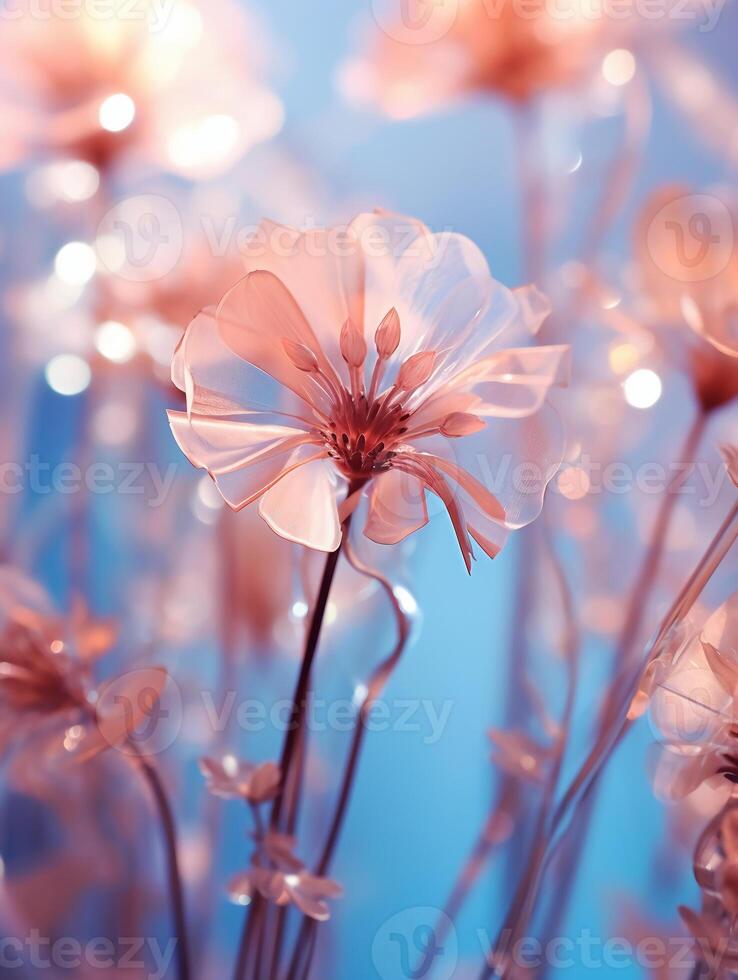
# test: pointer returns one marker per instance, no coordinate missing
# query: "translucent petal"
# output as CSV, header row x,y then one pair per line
x,y
301,506
397,507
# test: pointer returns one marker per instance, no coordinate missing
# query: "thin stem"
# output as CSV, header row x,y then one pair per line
x,y
306,939
522,905
590,771
176,889
292,742
640,594
533,197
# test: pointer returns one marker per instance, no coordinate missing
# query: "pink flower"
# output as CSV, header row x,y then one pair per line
x,y
174,84
412,69
46,677
694,704
688,267
231,779
285,881
375,361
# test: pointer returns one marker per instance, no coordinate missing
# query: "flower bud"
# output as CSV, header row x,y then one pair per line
x,y
387,337
416,370
353,345
459,424
300,355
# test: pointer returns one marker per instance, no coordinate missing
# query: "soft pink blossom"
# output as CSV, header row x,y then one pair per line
x,y
285,881
47,683
694,704
376,361
188,98
687,262
232,779
408,70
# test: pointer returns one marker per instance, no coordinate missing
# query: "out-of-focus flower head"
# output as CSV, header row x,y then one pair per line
x,y
694,707
175,83
417,63
375,359
150,317
286,881
686,247
46,675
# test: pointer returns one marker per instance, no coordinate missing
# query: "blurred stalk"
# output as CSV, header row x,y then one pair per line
x,y
176,888
586,779
305,942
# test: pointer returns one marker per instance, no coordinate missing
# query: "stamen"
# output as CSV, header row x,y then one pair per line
x,y
387,340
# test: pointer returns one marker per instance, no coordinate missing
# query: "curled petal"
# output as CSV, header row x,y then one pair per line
x,y
534,306
244,459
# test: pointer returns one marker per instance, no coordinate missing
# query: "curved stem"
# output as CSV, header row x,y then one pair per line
x,y
176,889
305,942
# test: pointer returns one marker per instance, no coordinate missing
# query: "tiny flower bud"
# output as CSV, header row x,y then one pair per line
x,y
353,345
387,337
416,370
300,355
459,424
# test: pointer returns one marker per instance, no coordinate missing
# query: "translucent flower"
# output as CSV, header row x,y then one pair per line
x,y
94,88
379,361
46,676
694,707
408,69
232,779
286,881
688,270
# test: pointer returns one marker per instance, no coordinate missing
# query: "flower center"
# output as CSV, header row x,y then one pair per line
x,y
361,436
